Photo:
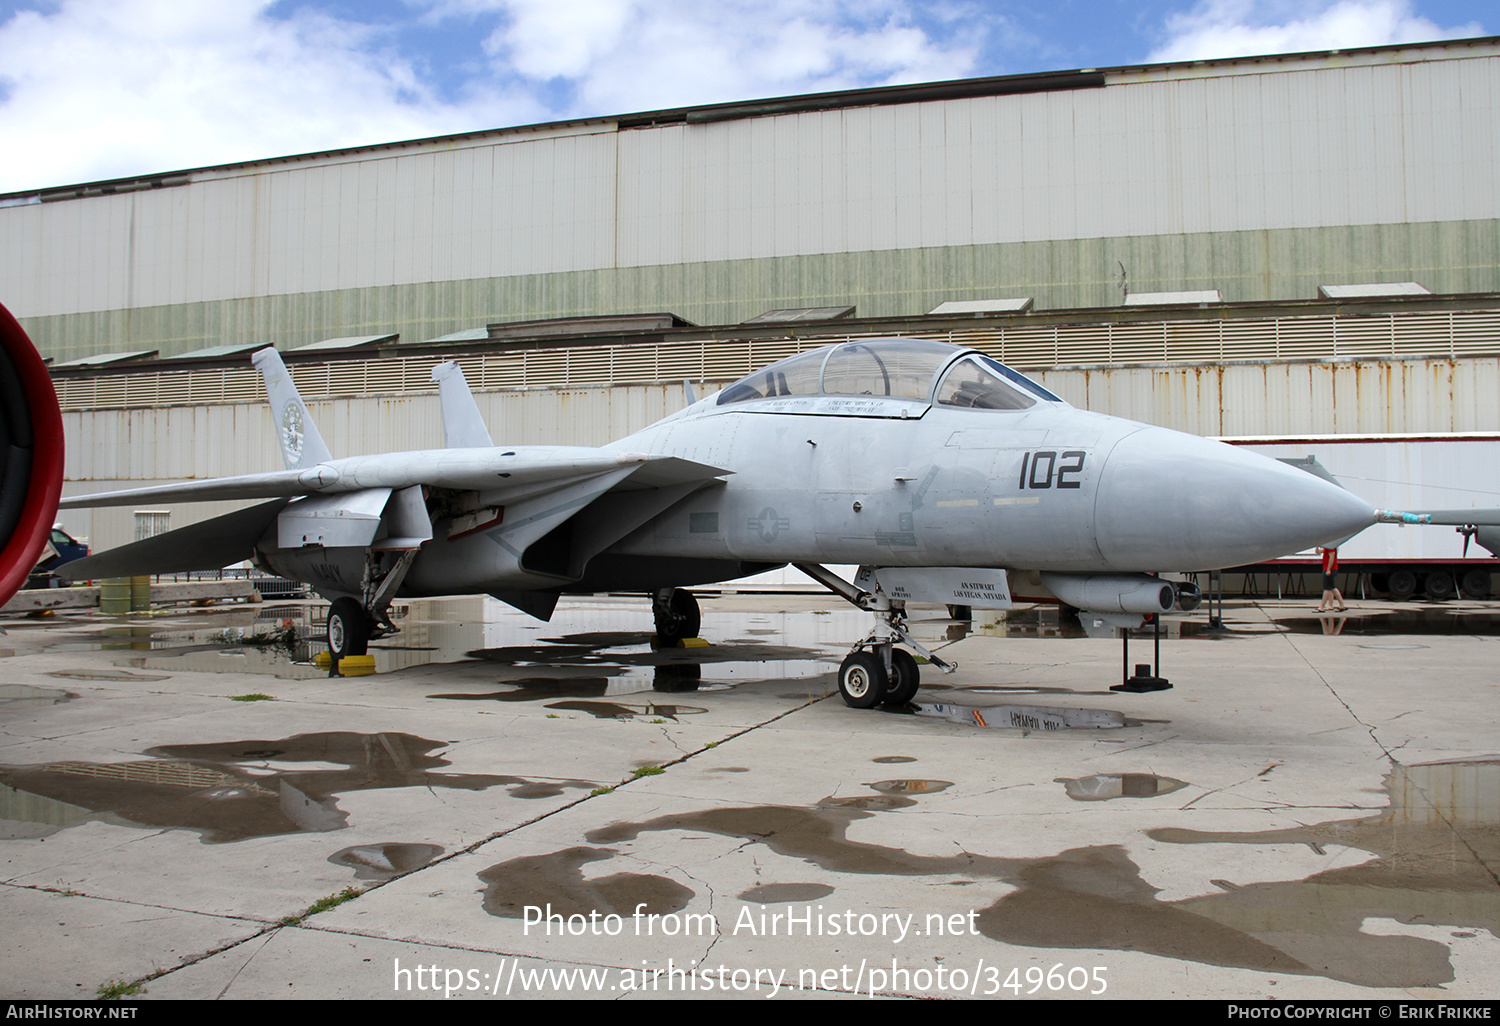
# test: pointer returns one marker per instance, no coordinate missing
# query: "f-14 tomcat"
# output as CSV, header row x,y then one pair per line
x,y
943,474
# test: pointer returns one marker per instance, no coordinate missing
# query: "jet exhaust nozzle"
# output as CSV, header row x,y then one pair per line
x,y
1113,593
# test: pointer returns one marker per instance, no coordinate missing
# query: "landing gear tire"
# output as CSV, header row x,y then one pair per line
x,y
678,617
348,629
862,680
904,681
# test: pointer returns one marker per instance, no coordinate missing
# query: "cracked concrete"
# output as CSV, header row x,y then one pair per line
x,y
1333,836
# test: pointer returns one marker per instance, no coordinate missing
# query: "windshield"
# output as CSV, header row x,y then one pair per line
x,y
971,384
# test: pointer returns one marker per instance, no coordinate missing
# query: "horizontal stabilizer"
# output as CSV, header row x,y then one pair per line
x,y
206,545
276,484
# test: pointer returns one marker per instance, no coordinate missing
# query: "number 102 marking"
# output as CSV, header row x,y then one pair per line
x,y
1048,469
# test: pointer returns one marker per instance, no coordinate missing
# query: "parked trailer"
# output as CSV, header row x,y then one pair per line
x,y
1404,472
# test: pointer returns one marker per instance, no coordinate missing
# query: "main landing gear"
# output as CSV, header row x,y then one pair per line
x,y
349,629
677,615
877,672
354,622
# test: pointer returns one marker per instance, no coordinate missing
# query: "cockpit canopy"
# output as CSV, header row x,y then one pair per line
x,y
894,368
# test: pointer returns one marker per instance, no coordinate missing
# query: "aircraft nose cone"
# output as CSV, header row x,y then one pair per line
x,y
1170,501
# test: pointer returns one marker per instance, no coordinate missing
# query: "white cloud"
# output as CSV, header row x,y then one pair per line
x,y
624,55
95,89
1238,28
107,88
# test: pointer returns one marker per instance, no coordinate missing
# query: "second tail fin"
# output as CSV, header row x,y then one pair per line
x,y
463,427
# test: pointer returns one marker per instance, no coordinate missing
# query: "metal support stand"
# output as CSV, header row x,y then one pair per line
x,y
1215,585
1145,678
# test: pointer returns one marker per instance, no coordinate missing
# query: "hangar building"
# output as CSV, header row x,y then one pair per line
x,y
1261,246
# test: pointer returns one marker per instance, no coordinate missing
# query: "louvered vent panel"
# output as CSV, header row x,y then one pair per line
x,y
345,379
109,392
1476,334
680,360
1304,338
1137,343
545,367
140,389
638,364
1193,341
504,370
1083,343
1031,347
1425,334
416,375
172,388
990,347
381,377
311,379
1362,336
588,367
77,393
240,386
1247,340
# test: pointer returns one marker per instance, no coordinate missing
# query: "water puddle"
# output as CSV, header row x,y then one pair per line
x,y
580,654
1026,718
894,758
616,711
1427,860
1103,786
1431,861
23,696
782,893
1429,621
910,786
236,790
119,675
868,802
555,883
385,861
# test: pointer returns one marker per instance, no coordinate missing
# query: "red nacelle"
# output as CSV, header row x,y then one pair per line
x,y
31,455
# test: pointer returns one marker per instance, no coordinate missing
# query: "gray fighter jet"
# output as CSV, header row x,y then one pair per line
x,y
943,474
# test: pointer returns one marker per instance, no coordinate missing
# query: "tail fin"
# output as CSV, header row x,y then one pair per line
x,y
301,444
463,427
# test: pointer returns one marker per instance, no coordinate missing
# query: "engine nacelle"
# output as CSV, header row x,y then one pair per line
x,y
1113,593
31,455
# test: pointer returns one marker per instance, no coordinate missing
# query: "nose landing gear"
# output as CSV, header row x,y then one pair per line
x,y
877,672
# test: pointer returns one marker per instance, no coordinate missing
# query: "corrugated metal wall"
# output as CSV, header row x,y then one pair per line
x,y
1262,179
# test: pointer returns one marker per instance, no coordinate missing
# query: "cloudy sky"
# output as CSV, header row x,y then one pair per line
x,y
95,89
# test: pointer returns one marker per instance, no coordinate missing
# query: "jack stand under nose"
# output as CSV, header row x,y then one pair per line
x,y
1145,677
